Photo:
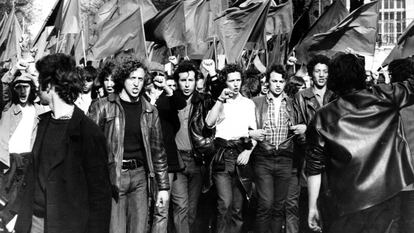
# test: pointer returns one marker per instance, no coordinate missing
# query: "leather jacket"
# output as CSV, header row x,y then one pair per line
x,y
306,103
358,140
110,117
261,117
201,137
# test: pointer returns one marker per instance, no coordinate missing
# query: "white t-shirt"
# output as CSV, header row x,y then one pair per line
x,y
20,141
237,117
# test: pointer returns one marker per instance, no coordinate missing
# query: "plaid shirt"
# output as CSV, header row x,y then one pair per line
x,y
276,128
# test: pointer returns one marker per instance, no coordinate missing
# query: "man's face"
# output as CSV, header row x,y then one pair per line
x,y
186,82
23,91
44,96
134,83
320,75
276,83
200,85
171,83
87,86
109,84
234,81
264,87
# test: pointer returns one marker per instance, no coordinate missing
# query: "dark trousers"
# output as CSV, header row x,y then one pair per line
x,y
184,194
381,218
407,212
130,213
229,196
272,175
292,204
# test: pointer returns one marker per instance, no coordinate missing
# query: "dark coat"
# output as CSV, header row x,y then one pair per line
x,y
78,191
110,117
358,140
168,107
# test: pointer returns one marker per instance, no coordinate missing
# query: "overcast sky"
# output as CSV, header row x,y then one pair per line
x,y
41,9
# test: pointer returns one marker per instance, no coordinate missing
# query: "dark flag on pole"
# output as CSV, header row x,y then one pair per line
x,y
358,31
333,15
121,34
236,27
404,47
168,26
279,26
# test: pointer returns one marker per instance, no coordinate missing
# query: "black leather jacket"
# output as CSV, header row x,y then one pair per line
x,y
307,105
357,139
109,115
201,137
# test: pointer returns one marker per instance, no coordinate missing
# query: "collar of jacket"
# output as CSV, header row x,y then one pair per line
x,y
308,93
284,96
146,106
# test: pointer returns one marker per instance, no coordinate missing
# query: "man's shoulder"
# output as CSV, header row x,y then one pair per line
x,y
259,99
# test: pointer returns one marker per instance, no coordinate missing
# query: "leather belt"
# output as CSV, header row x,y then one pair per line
x,y
131,164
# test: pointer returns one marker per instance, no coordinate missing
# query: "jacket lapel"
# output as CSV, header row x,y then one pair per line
x,y
43,123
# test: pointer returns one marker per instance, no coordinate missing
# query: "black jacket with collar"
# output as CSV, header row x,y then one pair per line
x,y
78,190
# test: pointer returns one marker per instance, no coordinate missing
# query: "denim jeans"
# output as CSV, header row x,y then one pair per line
x,y
184,195
292,204
272,175
230,197
130,213
407,212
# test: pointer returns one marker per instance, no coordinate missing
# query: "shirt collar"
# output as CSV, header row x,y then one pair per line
x,y
269,97
319,92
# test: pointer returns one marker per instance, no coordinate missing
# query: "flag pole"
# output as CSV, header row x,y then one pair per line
x,y
57,42
83,47
215,49
294,64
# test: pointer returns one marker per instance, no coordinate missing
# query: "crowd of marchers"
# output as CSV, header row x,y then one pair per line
x,y
132,147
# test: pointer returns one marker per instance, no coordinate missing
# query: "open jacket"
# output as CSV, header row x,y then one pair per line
x,y
306,103
78,191
358,140
201,137
9,121
110,117
261,112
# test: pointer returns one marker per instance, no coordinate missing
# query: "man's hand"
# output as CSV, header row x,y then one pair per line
x,y
298,129
291,61
162,198
313,220
257,134
244,157
173,60
226,94
210,66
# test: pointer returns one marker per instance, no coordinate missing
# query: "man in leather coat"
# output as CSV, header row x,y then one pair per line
x,y
135,148
273,155
357,140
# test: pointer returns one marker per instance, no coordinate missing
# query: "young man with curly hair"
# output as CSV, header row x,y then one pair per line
x,y
232,116
135,148
66,188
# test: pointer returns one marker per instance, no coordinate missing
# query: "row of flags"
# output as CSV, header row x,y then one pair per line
x,y
204,27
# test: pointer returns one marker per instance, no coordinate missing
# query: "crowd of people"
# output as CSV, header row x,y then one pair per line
x,y
130,147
